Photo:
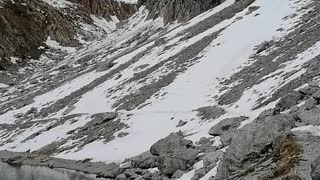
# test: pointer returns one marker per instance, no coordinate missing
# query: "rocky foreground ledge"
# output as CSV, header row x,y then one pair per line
x,y
282,143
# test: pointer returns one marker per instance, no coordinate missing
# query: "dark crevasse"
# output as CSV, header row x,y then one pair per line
x,y
27,172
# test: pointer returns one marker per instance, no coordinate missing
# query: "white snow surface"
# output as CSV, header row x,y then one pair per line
x,y
194,88
3,85
191,90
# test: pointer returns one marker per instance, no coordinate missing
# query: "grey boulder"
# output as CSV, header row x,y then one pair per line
x,y
226,125
289,100
249,143
311,117
103,66
175,153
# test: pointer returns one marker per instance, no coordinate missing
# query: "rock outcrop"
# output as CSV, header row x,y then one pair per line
x,y
26,25
108,8
181,10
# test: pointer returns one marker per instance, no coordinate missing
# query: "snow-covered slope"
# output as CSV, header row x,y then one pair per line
x,y
239,56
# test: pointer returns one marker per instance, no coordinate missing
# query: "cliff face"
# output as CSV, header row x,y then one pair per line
x,y
108,8
25,26
181,10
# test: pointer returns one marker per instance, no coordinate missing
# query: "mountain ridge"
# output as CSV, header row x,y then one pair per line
x,y
230,93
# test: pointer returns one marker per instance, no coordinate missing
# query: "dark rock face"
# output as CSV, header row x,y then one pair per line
x,y
181,10
23,28
108,8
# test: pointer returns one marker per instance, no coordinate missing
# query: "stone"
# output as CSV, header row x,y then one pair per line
x,y
289,100
211,159
267,112
145,161
168,166
310,103
35,81
103,66
182,123
309,90
101,118
210,112
24,103
121,177
123,134
169,144
252,141
315,168
33,110
199,173
226,138
314,83
204,140
178,174
181,10
175,153
226,125
263,46
138,68
131,174
316,95
45,76
108,8
34,20
311,117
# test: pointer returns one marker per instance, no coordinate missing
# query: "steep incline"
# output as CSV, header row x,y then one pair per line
x,y
115,97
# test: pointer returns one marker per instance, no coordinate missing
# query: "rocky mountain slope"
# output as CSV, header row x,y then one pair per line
x,y
181,90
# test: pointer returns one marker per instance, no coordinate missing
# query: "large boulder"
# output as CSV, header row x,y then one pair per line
x,y
169,165
175,153
311,117
103,66
144,161
170,144
211,159
252,141
289,100
226,125
100,118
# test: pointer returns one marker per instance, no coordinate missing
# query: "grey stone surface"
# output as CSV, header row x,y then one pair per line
x,y
199,173
210,112
311,116
103,66
181,123
177,9
211,159
144,161
226,125
168,166
251,142
289,100
178,174
315,169
175,153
